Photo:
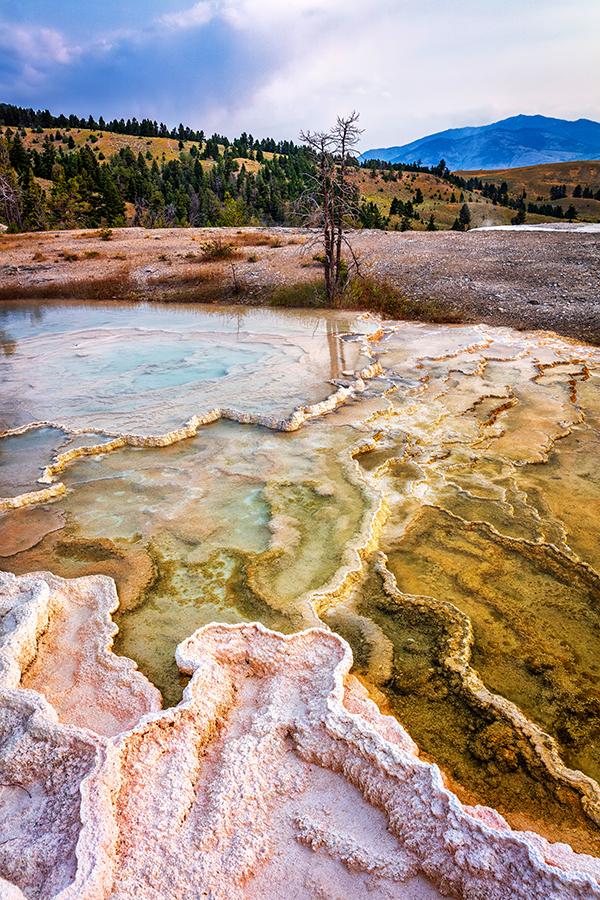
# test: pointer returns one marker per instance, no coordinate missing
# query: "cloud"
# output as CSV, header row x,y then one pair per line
x,y
193,17
273,67
45,46
415,68
29,52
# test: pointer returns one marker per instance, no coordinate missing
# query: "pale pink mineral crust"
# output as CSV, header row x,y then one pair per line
x,y
62,648
275,777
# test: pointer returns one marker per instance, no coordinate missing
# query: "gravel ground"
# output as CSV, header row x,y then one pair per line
x,y
528,279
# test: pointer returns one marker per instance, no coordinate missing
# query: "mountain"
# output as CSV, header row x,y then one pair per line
x,y
517,141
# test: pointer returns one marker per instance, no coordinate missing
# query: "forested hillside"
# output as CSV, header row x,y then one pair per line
x,y
56,173
60,172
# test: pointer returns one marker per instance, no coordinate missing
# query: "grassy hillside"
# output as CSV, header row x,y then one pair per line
x,y
440,199
105,144
108,143
87,180
75,176
538,181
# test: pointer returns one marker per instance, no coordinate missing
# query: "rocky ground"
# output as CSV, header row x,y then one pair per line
x,y
531,280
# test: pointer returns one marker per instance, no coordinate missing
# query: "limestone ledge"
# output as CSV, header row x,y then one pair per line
x,y
275,776
293,422
56,637
457,660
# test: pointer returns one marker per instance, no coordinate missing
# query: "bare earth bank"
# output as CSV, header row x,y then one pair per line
x,y
532,280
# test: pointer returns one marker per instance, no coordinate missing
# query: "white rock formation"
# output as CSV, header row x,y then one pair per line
x,y
275,777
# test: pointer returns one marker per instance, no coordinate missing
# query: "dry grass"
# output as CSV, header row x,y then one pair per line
x,y
254,239
102,234
369,294
303,294
10,242
117,287
537,180
437,201
109,143
217,249
208,287
380,296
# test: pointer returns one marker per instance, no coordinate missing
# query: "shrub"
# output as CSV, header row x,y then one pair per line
x,y
105,234
218,249
378,295
303,294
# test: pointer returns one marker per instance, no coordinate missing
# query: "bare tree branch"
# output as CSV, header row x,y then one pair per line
x,y
330,203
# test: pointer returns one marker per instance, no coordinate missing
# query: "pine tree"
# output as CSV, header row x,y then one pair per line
x,y
19,159
464,217
431,226
111,207
32,203
47,159
371,217
571,213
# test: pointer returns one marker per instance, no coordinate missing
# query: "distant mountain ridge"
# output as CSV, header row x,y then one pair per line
x,y
510,143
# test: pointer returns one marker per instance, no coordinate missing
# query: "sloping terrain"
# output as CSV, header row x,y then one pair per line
x,y
538,182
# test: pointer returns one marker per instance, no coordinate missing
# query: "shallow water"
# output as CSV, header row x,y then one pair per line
x,y
471,462
146,368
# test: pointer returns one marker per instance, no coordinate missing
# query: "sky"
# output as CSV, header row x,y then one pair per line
x,y
274,67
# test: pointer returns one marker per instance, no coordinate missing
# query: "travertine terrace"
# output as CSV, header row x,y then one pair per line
x,y
249,481
275,774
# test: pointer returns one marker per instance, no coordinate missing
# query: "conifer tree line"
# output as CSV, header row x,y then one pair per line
x,y
21,117
87,192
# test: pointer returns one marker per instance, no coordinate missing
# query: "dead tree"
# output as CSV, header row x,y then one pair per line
x,y
10,190
330,202
10,202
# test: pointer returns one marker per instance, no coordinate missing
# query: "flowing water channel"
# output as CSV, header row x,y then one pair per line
x,y
432,493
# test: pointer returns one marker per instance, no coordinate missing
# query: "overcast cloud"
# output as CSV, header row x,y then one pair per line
x,y
272,67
